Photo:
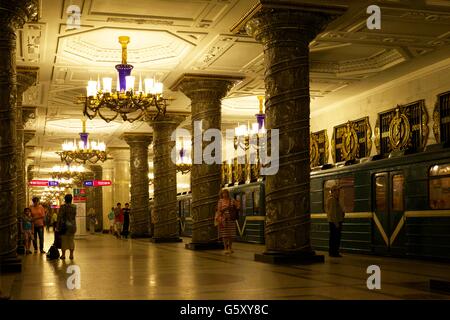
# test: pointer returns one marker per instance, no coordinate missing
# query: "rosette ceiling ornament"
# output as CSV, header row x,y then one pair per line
x,y
125,100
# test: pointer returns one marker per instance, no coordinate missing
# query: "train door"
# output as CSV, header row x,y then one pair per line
x,y
387,227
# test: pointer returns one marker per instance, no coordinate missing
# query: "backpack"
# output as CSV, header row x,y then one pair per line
x,y
234,212
52,253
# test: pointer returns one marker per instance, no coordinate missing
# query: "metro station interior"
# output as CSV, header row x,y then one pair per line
x,y
302,110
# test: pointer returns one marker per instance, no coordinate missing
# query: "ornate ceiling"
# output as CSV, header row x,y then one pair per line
x,y
169,38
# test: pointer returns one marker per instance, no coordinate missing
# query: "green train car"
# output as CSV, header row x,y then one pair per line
x,y
250,226
398,206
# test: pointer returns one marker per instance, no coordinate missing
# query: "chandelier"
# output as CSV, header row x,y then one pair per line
x,y
68,172
125,101
83,151
184,161
243,133
53,194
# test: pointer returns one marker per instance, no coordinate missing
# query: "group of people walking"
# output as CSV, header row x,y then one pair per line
x,y
119,220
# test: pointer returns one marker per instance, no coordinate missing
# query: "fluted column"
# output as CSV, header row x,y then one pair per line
x,y
206,93
13,15
107,193
26,77
97,195
164,214
27,136
121,175
286,34
140,210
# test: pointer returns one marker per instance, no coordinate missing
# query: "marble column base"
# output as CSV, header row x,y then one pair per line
x,y
285,258
204,246
12,264
165,240
136,235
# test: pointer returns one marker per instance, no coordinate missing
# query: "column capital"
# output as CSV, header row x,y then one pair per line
x,y
166,120
16,13
28,135
270,21
26,77
137,139
205,87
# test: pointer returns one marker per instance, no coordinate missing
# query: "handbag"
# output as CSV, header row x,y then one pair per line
x,y
234,212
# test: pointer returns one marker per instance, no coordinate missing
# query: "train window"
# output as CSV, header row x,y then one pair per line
x,y
440,186
380,193
346,194
397,192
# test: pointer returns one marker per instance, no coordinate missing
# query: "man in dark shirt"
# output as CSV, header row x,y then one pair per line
x,y
126,220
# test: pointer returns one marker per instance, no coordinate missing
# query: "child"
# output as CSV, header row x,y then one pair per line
x,y
28,229
111,220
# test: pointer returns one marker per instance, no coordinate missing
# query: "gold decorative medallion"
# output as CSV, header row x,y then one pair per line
x,y
399,131
333,147
368,137
350,144
326,146
437,121
425,130
314,150
377,136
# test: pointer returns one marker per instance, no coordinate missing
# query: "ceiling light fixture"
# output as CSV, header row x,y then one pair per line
x,y
83,151
126,101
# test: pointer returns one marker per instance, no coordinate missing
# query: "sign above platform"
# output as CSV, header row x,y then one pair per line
x,y
97,183
44,183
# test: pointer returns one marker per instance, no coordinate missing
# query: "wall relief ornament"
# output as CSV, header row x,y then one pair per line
x,y
314,150
437,121
350,145
377,136
399,131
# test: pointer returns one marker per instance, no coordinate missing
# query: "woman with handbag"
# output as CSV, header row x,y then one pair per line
x,y
225,218
67,226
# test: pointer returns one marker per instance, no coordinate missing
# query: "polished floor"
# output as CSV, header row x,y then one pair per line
x,y
137,269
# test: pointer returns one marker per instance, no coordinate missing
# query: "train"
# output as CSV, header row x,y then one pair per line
x,y
394,206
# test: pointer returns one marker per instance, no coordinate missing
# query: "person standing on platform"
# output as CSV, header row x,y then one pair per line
x,y
126,220
335,215
118,220
54,219
226,208
67,226
92,220
111,220
27,229
38,214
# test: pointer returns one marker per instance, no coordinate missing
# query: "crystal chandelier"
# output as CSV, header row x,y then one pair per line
x,y
125,101
68,172
243,133
83,151
184,161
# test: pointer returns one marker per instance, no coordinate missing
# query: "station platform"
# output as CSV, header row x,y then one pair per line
x,y
135,269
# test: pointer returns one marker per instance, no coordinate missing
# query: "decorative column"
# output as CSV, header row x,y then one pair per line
x,y
165,209
26,77
97,193
121,175
27,113
206,93
107,194
13,15
30,176
140,210
286,34
23,183
90,197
